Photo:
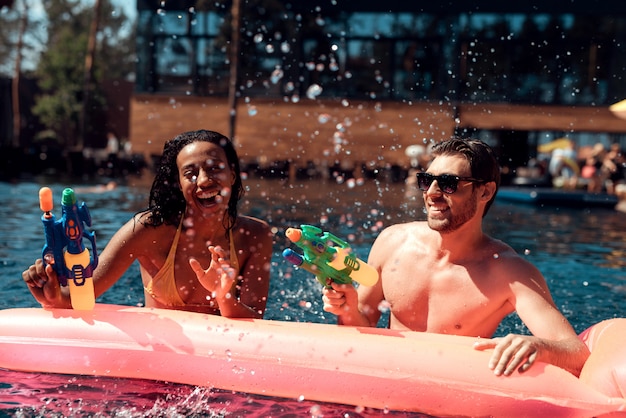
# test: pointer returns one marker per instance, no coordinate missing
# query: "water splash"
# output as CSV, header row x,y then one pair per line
x,y
277,75
314,91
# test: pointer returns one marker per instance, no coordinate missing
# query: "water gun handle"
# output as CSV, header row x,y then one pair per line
x,y
90,236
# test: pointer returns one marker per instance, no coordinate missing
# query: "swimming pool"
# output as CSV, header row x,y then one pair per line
x,y
582,253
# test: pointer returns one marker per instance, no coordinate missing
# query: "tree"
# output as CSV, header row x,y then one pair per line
x,y
63,67
15,84
89,70
19,42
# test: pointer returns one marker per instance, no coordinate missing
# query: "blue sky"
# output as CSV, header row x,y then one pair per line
x,y
129,6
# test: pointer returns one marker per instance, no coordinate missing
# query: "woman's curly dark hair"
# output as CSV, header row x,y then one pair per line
x,y
167,204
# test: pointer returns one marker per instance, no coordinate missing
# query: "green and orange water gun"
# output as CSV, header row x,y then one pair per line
x,y
64,248
327,257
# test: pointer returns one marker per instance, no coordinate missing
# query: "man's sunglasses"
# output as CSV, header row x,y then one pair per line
x,y
447,182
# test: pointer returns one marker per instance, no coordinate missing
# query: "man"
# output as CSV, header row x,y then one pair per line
x,y
446,276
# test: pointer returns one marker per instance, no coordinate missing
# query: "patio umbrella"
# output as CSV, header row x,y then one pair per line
x,y
561,143
619,109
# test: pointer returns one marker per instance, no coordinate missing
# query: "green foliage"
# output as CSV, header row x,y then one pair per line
x,y
61,70
10,26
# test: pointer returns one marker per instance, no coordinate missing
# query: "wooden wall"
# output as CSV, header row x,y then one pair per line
x,y
315,131
327,131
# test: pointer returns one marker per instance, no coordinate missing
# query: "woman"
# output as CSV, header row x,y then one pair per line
x,y
191,223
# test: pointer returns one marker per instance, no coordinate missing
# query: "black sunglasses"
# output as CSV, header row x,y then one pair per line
x,y
447,182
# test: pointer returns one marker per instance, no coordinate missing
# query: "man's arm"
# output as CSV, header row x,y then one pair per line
x,y
360,307
553,341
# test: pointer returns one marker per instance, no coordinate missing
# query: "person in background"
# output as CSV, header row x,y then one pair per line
x,y
445,275
195,251
590,173
615,165
563,166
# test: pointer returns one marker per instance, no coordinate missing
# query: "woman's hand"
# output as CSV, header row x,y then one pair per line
x,y
219,277
43,283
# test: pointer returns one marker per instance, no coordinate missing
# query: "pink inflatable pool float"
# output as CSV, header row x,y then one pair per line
x,y
370,367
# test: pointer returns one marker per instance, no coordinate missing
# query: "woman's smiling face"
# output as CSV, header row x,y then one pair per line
x,y
205,176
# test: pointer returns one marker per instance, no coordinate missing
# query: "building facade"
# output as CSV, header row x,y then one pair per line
x,y
347,81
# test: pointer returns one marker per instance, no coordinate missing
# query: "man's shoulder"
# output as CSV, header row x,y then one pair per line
x,y
405,228
514,264
401,232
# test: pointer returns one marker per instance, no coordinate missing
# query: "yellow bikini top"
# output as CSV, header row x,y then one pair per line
x,y
162,287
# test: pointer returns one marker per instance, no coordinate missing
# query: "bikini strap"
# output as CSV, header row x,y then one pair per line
x,y
234,261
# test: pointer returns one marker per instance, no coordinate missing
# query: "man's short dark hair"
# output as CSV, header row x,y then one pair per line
x,y
483,163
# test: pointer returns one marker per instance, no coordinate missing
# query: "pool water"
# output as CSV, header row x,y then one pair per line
x,y
581,252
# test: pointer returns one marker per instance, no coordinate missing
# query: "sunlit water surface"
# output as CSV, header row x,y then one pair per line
x,y
581,252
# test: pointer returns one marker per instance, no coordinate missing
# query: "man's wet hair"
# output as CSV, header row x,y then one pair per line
x,y
483,163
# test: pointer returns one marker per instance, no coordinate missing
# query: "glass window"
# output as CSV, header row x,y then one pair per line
x,y
515,58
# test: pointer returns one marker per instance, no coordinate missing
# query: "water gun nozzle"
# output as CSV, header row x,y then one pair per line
x,y
294,234
45,200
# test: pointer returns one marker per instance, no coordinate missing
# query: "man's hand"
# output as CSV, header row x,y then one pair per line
x,y
510,353
339,298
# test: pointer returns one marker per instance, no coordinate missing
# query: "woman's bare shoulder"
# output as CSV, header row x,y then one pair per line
x,y
252,226
138,230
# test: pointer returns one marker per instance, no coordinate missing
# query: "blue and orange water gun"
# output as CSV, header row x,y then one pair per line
x,y
328,257
64,248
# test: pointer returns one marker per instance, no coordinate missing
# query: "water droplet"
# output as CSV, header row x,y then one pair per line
x,y
316,412
238,370
276,76
323,118
384,306
313,91
252,111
